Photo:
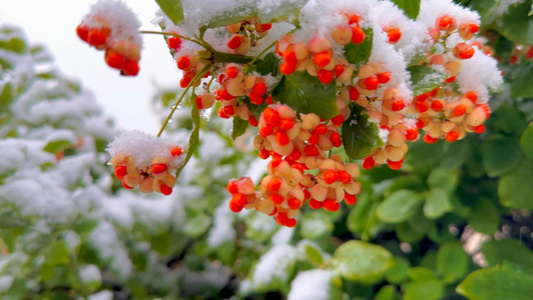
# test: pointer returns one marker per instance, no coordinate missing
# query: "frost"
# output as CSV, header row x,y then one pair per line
x,y
273,265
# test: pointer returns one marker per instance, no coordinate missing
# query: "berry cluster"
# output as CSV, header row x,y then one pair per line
x,y
144,161
245,34
118,37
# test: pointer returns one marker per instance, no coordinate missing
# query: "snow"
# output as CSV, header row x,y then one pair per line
x,y
222,230
479,74
103,295
90,274
312,284
273,265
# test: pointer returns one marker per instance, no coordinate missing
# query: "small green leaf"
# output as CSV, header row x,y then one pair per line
x,y
239,127
409,7
172,8
359,135
47,272
500,154
452,262
58,253
399,206
313,255
197,226
425,79
268,65
360,53
408,234
484,216
14,45
421,274
306,94
497,283
387,292
398,272
444,179
423,290
515,188
437,203
526,141
362,262
511,250
7,96
56,146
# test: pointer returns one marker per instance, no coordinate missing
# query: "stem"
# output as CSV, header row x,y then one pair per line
x,y
222,57
262,52
201,43
197,77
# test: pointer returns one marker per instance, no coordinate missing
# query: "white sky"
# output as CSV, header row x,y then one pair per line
x,y
126,99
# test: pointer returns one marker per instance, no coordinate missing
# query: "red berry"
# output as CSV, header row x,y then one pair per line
x,y
255,99
273,184
166,190
311,150
344,177
384,77
338,69
176,151
430,140
174,42
330,176
336,139
253,121
321,129
83,32
290,223
479,129
330,205
234,207
349,199
337,120
183,62
368,163
232,72
411,134
159,168
240,199
315,204
371,83
96,38
120,172
126,186
286,124
277,198
459,110
421,106
398,105
232,187
282,138
131,68
436,105
354,93
235,41
358,35
472,96
452,136
394,35
294,203
260,88
395,165
325,76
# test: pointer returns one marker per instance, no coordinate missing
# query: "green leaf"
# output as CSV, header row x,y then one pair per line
x,y
268,65
387,292
484,216
47,272
399,206
425,79
58,253
315,225
421,274
408,234
360,53
511,250
510,119
56,146
306,94
437,203
526,141
398,272
172,8
14,45
239,127
500,154
161,243
515,24
362,217
409,7
423,290
515,188
10,237
497,283
313,255
359,135
452,262
197,226
7,96
444,179
362,262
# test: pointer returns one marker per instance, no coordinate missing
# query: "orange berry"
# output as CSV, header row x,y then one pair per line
x,y
232,187
294,203
330,176
235,41
450,79
398,105
358,35
371,83
446,23
221,113
472,96
290,57
260,88
452,136
159,168
282,138
265,131
286,124
395,165
263,27
256,99
282,219
383,77
290,223
239,199
354,93
235,207
338,119
174,42
368,163
232,72
430,140
411,134
421,106
183,62
314,204
322,59
394,35
295,154
344,177
176,151
436,105
264,153
330,205
83,32
277,198
96,38
321,129
349,199
131,68
325,76
120,172
479,129
166,190
273,184
287,68
459,110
